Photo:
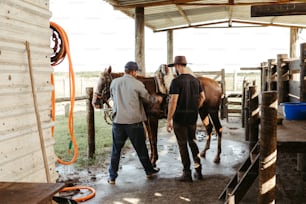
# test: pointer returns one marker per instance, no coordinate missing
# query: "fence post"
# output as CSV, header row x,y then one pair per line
x,y
303,73
282,78
301,158
90,123
272,83
264,70
268,148
224,101
246,109
254,116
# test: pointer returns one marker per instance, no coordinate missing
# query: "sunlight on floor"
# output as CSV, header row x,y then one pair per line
x,y
185,199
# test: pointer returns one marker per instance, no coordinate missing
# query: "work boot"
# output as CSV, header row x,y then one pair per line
x,y
153,173
198,173
186,177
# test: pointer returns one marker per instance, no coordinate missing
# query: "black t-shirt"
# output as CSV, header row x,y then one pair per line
x,y
189,89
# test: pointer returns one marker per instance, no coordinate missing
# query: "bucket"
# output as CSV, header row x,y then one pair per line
x,y
294,110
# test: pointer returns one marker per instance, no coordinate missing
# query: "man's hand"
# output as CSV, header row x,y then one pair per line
x,y
169,126
159,99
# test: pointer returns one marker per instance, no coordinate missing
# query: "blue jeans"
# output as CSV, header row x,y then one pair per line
x,y
135,132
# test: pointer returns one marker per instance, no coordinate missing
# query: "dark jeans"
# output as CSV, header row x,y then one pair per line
x,y
185,135
135,132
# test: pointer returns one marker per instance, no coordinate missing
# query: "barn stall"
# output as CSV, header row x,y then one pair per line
x,y
26,141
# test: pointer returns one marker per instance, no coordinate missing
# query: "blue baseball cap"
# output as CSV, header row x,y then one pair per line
x,y
132,66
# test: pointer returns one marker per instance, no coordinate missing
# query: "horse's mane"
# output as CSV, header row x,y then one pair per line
x,y
119,74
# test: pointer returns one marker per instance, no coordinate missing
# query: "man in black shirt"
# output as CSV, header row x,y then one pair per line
x,y
186,97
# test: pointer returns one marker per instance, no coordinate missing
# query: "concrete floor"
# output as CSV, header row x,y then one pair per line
x,y
132,187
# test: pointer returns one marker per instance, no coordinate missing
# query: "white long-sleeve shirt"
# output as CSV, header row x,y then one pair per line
x,y
128,96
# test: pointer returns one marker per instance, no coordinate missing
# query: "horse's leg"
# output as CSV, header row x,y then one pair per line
x,y
209,127
152,126
154,129
216,121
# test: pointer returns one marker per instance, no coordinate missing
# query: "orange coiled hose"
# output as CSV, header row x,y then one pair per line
x,y
84,198
60,58
57,59
53,103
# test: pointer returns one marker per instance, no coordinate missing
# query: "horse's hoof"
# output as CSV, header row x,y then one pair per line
x,y
153,163
217,160
203,154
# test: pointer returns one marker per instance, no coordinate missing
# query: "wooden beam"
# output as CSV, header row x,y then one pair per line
x,y
129,5
183,14
140,39
278,9
206,25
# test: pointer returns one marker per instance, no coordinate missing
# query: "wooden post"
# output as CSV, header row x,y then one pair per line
x,y
37,114
264,74
139,39
301,162
282,78
224,101
90,123
294,36
67,109
246,110
244,107
170,46
272,71
303,73
254,116
268,148
301,158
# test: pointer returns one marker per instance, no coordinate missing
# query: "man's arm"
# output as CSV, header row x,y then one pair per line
x,y
171,109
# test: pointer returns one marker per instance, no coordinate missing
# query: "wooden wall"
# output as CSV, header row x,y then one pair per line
x,y
21,157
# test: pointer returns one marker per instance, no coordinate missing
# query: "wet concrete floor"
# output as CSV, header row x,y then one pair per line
x,y
132,187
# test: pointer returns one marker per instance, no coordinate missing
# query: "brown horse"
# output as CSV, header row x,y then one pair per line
x,y
209,112
154,111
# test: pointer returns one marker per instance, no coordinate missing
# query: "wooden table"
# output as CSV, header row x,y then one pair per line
x,y
28,193
291,136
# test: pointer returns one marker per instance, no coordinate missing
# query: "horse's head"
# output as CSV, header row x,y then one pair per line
x,y
164,75
102,93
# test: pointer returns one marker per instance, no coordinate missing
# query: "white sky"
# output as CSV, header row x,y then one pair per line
x,y
100,36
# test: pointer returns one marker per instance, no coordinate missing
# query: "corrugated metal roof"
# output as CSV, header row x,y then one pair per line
x,y
161,15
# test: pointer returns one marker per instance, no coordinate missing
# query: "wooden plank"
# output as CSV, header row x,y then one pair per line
x,y
291,136
234,103
234,111
291,147
295,65
285,9
234,95
246,181
292,131
19,192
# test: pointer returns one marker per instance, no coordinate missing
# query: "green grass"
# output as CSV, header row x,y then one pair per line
x,y
103,139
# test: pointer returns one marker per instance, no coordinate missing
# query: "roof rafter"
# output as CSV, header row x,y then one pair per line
x,y
209,25
163,15
130,4
180,10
